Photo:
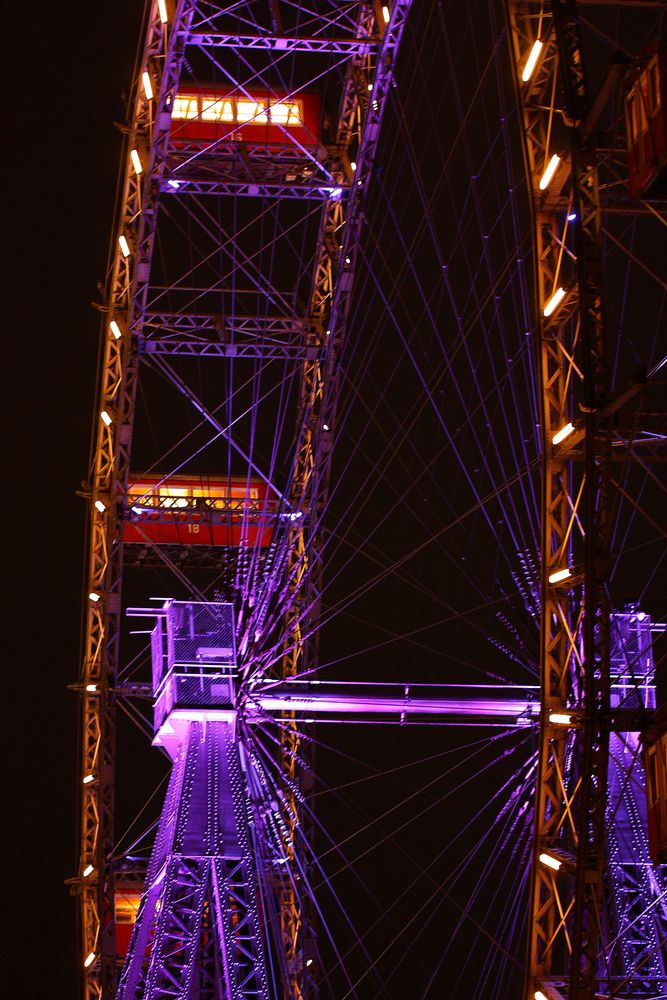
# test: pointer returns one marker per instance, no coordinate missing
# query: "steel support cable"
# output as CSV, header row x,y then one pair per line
x,y
482,227
427,809
422,647
387,839
230,247
171,376
159,462
406,425
481,744
303,874
117,852
624,525
345,602
457,616
513,904
462,464
375,473
448,369
441,890
446,430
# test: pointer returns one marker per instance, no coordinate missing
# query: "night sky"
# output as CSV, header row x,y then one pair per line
x,y
62,162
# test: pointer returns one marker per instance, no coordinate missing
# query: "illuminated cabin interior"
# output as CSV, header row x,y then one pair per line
x,y
234,110
171,496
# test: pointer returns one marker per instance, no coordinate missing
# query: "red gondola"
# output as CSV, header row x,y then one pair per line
x,y
216,511
206,115
646,129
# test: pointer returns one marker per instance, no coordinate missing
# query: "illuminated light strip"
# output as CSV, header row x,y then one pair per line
x,y
136,162
88,778
89,961
148,87
560,718
115,329
562,433
549,171
106,419
100,506
539,995
162,9
561,574
124,246
531,62
554,301
93,597
385,14
550,862
88,870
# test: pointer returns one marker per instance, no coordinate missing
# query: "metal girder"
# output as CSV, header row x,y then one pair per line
x,y
570,911
329,307
201,859
636,886
261,172
245,169
342,46
255,337
315,191
148,134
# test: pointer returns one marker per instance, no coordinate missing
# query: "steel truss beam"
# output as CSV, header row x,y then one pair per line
x,y
201,863
131,255
329,307
569,921
255,188
361,46
308,343
254,337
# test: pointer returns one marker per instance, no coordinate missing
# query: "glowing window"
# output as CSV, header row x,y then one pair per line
x,y
185,106
251,111
173,496
216,110
143,492
287,113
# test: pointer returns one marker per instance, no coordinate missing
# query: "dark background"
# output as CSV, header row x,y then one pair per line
x,y
68,68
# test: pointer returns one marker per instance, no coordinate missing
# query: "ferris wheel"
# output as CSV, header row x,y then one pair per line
x,y
375,517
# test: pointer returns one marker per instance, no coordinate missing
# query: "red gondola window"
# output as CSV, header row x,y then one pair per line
x,y
185,106
216,109
238,110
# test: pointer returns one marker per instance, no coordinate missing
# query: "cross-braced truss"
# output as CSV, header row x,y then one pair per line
x,y
570,925
228,302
